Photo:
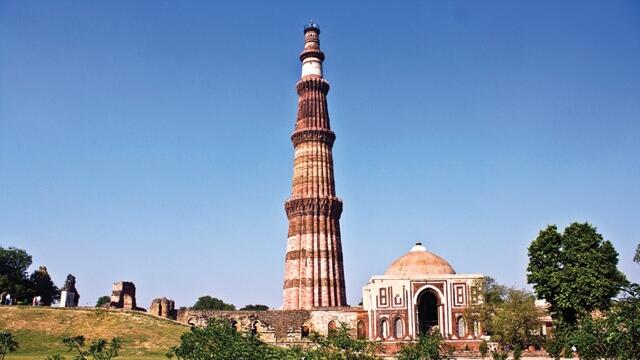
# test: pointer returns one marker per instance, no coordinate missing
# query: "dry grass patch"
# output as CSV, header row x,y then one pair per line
x,y
40,329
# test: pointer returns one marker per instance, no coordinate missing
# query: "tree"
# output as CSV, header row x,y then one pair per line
x,y
103,300
43,286
636,258
614,334
7,344
256,307
575,272
220,341
13,273
339,345
484,349
492,295
99,349
516,320
210,303
428,347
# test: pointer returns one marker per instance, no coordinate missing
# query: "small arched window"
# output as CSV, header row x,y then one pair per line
x,y
331,327
461,330
397,326
384,328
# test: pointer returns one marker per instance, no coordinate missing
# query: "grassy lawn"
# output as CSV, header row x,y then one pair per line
x,y
39,330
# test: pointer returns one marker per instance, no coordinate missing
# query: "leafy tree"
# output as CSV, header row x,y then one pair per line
x,y
210,303
492,295
220,341
13,273
103,300
614,334
636,258
256,307
428,347
516,319
99,349
43,286
7,344
339,345
575,272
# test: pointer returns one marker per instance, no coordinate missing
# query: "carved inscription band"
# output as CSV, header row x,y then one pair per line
x,y
318,84
323,135
314,206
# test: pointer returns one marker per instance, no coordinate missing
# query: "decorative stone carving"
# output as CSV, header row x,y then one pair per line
x,y
323,135
314,206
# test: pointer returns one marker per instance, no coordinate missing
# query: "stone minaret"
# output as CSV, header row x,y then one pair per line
x,y
314,274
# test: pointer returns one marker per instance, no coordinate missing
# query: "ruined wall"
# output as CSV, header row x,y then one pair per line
x,y
123,296
163,307
277,327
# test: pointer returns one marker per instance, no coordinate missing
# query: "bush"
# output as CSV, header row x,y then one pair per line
x,y
220,341
7,344
499,355
484,349
517,353
99,349
428,347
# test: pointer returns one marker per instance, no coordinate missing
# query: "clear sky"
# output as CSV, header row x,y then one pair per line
x,y
149,140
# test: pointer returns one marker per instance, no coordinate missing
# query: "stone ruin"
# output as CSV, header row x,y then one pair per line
x,y
69,296
123,296
163,307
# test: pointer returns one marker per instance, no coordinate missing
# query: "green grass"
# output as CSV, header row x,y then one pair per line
x,y
39,330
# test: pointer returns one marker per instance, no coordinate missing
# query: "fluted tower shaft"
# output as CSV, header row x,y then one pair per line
x,y
314,273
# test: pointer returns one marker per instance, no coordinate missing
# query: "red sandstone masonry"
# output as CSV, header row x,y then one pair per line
x,y
314,272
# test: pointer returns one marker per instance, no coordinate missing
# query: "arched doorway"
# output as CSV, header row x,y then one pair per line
x,y
427,311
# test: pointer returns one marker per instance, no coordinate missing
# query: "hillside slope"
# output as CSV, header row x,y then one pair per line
x,y
39,330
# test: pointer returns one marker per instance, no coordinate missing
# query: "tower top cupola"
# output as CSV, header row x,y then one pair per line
x,y
311,56
312,26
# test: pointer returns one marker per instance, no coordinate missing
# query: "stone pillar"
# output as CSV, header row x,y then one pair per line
x,y
163,307
314,274
123,296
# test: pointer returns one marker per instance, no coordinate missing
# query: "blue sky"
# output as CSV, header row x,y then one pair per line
x,y
149,141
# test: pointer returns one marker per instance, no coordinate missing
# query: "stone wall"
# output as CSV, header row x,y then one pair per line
x,y
277,327
123,296
163,307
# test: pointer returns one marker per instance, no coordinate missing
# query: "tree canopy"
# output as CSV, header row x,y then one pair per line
x,y
219,340
428,347
210,303
43,286
516,320
256,307
636,258
575,272
492,295
14,279
103,300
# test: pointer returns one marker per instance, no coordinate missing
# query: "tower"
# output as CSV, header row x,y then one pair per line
x,y
314,273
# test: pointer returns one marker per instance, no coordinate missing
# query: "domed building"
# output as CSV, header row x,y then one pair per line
x,y
418,293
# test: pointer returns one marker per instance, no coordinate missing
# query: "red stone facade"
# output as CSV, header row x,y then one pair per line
x,y
314,275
